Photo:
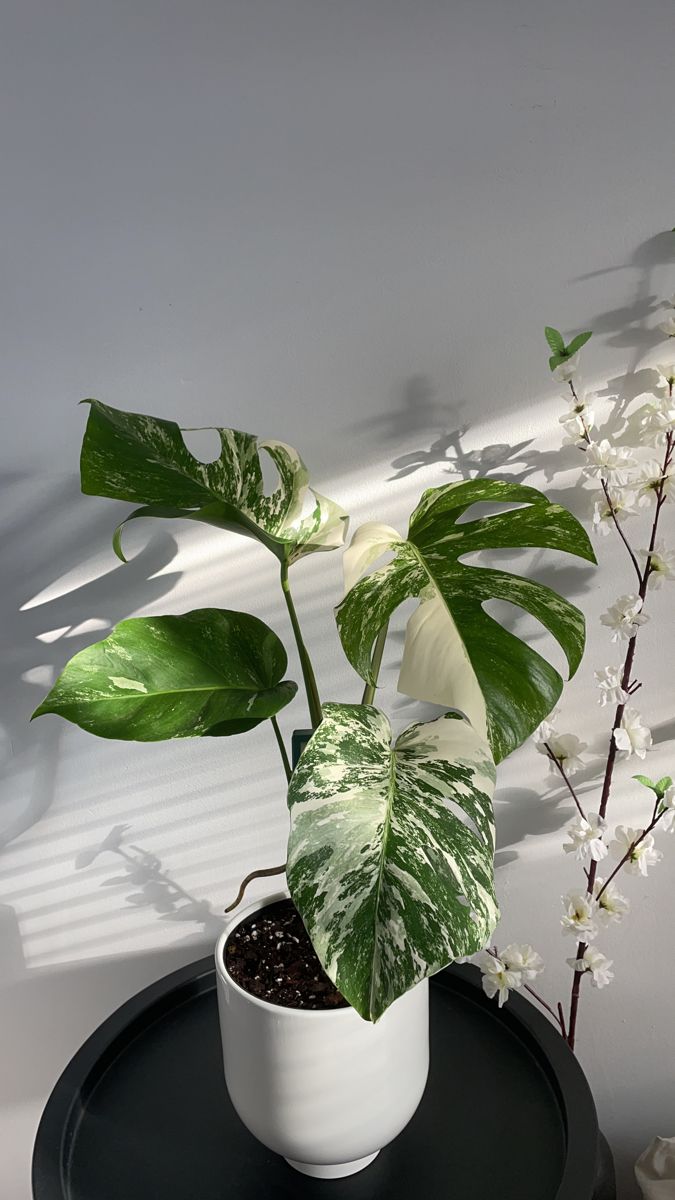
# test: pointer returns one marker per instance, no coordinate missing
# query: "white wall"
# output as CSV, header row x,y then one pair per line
x,y
345,225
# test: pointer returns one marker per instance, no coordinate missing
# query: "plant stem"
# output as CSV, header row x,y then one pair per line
x,y
554,759
282,748
264,873
376,663
629,853
620,531
557,1016
313,701
611,754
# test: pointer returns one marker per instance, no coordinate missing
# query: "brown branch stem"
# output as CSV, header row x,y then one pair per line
x,y
557,762
618,716
264,873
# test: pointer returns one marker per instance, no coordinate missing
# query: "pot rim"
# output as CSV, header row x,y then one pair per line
x,y
267,1005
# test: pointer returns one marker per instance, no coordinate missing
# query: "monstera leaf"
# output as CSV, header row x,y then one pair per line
x,y
128,456
210,672
456,654
390,857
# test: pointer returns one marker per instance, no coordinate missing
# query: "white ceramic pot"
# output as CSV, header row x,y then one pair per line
x,y
327,1090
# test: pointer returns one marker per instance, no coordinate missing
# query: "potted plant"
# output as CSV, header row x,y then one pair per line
x,y
390,854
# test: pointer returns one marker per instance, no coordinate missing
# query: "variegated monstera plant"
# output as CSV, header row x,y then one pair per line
x,y
390,857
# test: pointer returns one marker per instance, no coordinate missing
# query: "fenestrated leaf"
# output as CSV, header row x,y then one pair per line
x,y
517,685
210,672
390,857
143,459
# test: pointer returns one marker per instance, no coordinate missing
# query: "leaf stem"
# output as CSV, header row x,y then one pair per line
x,y
313,701
282,748
264,873
376,663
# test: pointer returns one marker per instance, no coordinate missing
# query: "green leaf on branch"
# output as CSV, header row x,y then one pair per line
x,y
129,456
390,857
555,360
211,672
555,340
577,343
561,352
658,787
456,654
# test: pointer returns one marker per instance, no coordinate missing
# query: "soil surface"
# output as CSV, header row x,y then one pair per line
x,y
270,955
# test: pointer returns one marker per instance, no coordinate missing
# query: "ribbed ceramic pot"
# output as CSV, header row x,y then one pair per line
x,y
327,1090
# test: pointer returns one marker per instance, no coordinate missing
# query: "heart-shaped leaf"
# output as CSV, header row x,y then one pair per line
x,y
210,672
129,456
456,654
390,857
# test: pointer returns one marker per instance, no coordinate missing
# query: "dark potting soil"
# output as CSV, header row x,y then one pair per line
x,y
270,955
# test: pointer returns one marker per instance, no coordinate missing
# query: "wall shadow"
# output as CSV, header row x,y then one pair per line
x,y
48,530
146,883
624,326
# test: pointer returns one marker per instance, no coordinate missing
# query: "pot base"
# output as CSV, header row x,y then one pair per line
x,y
332,1170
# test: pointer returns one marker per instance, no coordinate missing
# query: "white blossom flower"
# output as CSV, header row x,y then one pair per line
x,y
596,963
623,617
651,481
657,417
605,461
578,917
609,683
545,731
567,749
586,838
497,979
522,959
642,856
632,737
611,906
667,325
565,371
661,562
576,429
621,505
667,373
577,421
668,809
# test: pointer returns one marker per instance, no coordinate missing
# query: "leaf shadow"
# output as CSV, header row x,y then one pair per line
x,y
48,537
151,884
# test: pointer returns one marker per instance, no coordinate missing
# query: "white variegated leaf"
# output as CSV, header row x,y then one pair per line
x,y
370,541
436,667
390,857
519,687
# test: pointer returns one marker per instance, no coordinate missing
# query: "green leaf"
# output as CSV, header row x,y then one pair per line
x,y
465,652
577,342
129,456
556,359
658,787
645,781
390,857
210,672
555,340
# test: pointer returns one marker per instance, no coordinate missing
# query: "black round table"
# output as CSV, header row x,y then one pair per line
x,y
142,1113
